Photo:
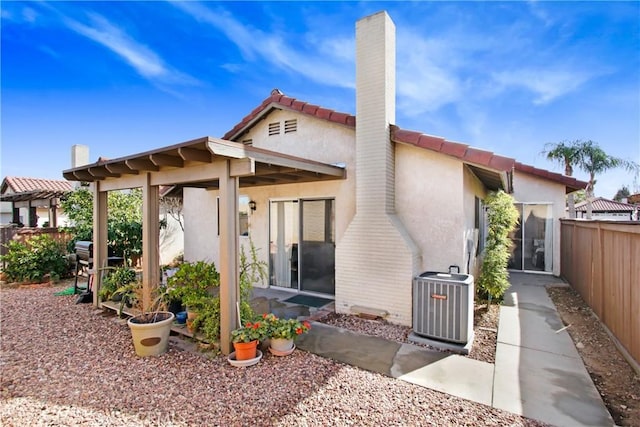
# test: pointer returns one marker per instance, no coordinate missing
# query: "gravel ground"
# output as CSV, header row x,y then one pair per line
x,y
485,330
64,364
616,381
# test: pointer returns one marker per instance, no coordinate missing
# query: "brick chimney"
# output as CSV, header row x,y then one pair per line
x,y
376,259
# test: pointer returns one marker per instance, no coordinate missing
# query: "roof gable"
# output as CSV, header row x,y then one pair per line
x,y
12,184
463,152
279,101
600,204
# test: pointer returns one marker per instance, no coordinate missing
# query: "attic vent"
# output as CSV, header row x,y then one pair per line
x,y
247,141
290,125
274,128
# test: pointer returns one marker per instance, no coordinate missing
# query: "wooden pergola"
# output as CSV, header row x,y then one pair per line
x,y
206,162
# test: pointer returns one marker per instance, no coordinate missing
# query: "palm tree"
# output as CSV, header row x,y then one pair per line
x,y
567,153
594,160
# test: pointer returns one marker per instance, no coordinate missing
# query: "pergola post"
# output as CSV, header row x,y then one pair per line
x,y
229,242
53,214
150,240
100,214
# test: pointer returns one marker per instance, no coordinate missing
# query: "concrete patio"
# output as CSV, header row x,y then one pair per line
x,y
538,372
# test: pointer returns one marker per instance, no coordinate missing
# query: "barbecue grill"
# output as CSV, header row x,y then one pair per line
x,y
84,260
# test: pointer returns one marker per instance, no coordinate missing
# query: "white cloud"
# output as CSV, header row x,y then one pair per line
x,y
546,84
427,74
29,15
144,60
333,68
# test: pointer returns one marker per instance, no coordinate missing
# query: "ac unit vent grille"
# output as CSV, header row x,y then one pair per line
x,y
274,128
443,309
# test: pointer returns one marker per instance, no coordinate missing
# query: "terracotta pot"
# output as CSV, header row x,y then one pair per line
x,y
246,350
190,325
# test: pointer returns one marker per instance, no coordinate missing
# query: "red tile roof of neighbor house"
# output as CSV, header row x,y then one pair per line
x,y
23,185
600,204
461,151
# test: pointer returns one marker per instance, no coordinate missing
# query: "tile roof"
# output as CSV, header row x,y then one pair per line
x,y
461,151
12,184
278,100
570,182
600,204
455,149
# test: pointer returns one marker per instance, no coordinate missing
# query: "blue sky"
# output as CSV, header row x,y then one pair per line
x,y
126,77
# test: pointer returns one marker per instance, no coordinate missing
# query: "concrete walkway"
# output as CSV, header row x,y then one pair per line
x,y
538,372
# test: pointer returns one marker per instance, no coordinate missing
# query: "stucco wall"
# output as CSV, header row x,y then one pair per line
x,y
200,225
529,189
429,201
472,188
314,139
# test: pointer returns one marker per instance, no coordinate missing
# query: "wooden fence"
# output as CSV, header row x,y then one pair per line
x,y
23,234
601,261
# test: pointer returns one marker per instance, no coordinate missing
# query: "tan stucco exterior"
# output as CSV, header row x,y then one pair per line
x,y
400,209
530,189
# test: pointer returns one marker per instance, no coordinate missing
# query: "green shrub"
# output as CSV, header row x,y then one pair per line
x,y
124,220
114,279
502,218
193,281
31,261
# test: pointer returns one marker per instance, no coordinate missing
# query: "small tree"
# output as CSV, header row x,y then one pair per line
x,y
502,218
173,207
33,260
124,222
622,193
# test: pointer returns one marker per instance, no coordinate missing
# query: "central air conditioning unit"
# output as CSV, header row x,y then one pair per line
x,y
443,306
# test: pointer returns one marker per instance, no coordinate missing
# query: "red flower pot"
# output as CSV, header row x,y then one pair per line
x,y
246,350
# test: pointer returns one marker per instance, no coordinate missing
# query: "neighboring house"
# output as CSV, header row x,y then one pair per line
x,y
602,208
342,208
33,202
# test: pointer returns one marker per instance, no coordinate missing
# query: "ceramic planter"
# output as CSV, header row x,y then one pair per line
x,y
281,344
150,332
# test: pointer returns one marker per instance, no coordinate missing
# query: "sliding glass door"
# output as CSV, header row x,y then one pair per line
x,y
302,245
533,238
317,249
284,232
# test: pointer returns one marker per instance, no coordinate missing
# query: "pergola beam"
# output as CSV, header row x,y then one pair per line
x,y
102,172
195,155
142,164
166,160
120,168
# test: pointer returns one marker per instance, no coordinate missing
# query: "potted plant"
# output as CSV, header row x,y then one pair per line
x,y
283,332
245,339
194,283
151,328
